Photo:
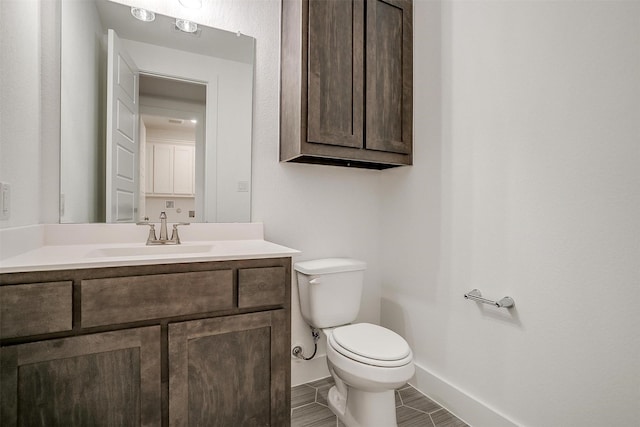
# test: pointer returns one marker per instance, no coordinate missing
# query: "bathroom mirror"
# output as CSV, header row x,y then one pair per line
x,y
164,125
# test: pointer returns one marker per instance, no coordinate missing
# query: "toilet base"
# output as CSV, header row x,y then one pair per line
x,y
364,408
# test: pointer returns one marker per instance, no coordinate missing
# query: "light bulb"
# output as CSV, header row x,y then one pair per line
x,y
143,14
186,26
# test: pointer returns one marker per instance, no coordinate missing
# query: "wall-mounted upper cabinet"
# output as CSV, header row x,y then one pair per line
x,y
170,170
347,82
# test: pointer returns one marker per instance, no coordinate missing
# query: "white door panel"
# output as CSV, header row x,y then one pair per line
x,y
125,122
123,144
124,206
127,76
126,164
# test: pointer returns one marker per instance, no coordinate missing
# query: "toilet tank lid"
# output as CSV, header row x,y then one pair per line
x,y
329,265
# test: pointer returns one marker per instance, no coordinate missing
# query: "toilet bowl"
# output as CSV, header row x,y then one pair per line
x,y
367,362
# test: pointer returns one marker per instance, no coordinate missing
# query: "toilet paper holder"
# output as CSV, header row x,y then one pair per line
x,y
476,295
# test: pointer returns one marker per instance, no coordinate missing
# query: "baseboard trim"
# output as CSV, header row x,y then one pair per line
x,y
305,371
462,405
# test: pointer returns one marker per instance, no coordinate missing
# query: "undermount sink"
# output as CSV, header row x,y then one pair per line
x,y
125,251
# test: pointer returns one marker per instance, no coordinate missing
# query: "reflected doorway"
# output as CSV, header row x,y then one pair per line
x,y
172,149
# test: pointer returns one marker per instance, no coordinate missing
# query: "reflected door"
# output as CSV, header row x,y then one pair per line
x,y
122,149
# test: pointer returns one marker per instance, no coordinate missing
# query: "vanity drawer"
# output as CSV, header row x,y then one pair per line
x,y
261,286
135,298
36,308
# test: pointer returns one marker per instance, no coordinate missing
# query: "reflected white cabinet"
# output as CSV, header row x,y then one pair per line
x,y
170,169
183,175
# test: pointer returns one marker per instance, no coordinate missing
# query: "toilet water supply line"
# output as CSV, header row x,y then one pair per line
x,y
297,350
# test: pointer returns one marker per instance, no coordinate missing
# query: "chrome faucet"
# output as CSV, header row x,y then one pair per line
x,y
163,240
163,227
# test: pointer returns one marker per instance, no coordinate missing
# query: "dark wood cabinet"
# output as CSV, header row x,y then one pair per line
x,y
347,82
335,97
110,379
175,344
390,76
228,371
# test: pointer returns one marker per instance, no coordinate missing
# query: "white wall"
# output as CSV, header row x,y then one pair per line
x,y
526,183
83,75
50,12
155,205
20,110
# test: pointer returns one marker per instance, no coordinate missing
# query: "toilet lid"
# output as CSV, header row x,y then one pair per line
x,y
371,344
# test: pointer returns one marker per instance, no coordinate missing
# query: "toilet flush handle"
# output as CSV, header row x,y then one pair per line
x,y
314,281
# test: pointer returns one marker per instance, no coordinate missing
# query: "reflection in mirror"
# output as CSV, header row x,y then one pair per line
x,y
171,131
164,124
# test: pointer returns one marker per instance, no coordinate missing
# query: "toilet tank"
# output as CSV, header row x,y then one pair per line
x,y
330,290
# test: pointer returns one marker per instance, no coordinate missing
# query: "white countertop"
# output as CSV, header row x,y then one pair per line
x,y
62,247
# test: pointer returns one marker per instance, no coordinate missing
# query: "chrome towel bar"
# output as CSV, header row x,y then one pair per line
x,y
476,295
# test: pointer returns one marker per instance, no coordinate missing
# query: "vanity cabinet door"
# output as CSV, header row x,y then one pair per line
x,y
103,379
230,371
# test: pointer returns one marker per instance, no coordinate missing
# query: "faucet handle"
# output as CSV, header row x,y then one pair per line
x,y
174,235
152,231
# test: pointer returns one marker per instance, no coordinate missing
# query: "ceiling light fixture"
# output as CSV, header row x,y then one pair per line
x,y
191,4
186,26
143,14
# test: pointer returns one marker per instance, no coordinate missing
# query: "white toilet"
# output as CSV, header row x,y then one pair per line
x,y
366,361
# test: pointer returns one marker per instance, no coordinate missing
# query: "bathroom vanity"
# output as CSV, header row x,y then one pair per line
x,y
170,342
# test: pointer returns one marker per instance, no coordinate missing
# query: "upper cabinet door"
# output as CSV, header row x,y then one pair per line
x,y
389,75
346,82
162,168
335,74
183,173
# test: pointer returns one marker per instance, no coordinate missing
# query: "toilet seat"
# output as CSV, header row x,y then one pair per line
x,y
371,345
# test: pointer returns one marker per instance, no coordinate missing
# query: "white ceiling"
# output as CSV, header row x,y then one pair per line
x,y
163,32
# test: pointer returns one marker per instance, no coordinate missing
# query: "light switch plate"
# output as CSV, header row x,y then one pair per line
x,y
5,201
243,186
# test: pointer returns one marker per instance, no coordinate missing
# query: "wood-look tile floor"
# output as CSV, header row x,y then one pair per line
x,y
413,409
